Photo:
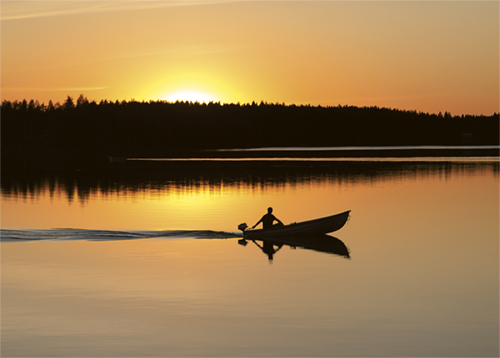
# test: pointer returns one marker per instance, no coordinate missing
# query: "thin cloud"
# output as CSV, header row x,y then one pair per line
x,y
21,10
52,89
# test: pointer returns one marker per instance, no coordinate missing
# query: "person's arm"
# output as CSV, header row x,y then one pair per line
x,y
278,220
258,222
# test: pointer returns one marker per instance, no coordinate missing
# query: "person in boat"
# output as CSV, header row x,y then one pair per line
x,y
268,220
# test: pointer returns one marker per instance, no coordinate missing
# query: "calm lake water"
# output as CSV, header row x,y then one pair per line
x,y
146,261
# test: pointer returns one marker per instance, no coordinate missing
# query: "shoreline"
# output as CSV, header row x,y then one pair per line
x,y
262,156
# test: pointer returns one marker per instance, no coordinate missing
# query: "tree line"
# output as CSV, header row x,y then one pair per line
x,y
86,131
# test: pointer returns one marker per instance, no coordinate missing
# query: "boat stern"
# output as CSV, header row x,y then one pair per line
x,y
242,227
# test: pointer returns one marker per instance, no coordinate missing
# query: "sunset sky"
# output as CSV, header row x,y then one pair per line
x,y
428,56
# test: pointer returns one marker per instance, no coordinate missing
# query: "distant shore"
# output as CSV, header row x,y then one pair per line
x,y
86,133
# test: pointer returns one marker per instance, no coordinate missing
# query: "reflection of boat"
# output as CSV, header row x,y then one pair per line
x,y
321,243
311,227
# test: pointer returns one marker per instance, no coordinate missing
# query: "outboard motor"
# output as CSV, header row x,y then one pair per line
x,y
242,227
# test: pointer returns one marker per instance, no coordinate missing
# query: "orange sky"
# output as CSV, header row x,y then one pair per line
x,y
423,55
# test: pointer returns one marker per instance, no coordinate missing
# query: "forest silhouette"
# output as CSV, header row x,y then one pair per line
x,y
86,132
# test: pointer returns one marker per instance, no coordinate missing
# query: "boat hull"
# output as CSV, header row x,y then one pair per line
x,y
312,227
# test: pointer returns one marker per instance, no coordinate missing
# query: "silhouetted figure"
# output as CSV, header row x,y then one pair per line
x,y
268,248
268,220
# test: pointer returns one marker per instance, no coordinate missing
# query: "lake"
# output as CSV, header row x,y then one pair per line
x,y
145,260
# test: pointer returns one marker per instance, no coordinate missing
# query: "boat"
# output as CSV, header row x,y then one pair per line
x,y
312,227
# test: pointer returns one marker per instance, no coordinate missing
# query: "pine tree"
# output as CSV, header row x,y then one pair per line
x,y
68,104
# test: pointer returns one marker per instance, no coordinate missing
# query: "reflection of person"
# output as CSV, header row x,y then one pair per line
x,y
268,220
268,248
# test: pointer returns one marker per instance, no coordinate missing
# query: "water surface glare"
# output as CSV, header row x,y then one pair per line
x,y
148,263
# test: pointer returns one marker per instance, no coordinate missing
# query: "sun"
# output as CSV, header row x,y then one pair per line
x,y
190,96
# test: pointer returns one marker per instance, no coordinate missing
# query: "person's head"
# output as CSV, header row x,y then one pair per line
x,y
269,210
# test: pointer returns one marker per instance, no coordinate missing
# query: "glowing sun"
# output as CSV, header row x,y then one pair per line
x,y
190,96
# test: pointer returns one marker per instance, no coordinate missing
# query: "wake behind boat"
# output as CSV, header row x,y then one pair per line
x,y
312,227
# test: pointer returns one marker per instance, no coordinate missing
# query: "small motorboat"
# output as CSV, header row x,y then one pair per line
x,y
312,227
